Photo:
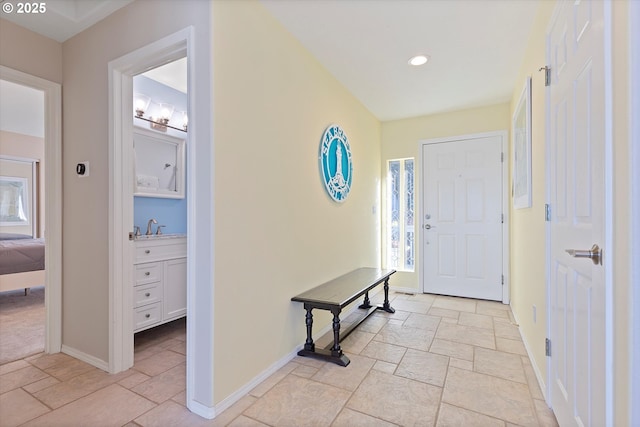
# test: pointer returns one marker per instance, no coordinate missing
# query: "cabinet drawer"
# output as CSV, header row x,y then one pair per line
x,y
149,272
147,315
147,294
153,251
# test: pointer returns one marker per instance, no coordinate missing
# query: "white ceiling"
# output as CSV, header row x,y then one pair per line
x,y
476,47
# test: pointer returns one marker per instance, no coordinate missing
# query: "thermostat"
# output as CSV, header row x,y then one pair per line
x,y
82,169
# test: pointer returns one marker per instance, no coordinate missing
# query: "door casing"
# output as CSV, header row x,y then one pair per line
x,y
503,135
53,200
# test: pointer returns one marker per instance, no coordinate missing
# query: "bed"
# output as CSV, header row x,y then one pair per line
x,y
21,262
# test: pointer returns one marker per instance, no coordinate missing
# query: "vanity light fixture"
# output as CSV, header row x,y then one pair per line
x,y
418,60
141,103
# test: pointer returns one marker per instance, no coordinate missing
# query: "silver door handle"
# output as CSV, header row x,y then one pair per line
x,y
429,226
595,253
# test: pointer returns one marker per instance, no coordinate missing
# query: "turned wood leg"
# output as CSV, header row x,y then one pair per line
x,y
336,351
366,303
309,345
386,306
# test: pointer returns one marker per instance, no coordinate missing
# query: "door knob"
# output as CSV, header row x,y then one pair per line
x,y
595,253
429,226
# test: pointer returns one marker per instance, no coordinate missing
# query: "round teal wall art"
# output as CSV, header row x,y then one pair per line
x,y
335,163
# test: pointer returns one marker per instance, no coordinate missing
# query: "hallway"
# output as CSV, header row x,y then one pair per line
x,y
438,360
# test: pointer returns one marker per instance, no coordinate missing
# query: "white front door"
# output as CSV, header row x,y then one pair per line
x,y
462,221
577,200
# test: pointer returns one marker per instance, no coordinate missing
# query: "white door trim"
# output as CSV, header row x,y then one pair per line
x,y
608,249
53,200
199,210
634,183
503,134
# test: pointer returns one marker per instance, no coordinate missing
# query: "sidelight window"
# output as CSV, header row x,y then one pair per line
x,y
400,235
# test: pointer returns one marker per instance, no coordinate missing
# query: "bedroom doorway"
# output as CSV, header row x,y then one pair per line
x,y
37,212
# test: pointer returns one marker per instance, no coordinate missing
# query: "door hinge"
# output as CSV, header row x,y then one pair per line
x,y
547,347
503,279
547,212
502,157
502,218
131,235
547,75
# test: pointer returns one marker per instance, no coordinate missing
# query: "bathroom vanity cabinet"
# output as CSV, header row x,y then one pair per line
x,y
160,281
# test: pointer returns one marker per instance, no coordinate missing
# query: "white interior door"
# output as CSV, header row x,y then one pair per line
x,y
576,174
462,222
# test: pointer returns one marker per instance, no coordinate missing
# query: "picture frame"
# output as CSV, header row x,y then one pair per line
x,y
521,149
14,201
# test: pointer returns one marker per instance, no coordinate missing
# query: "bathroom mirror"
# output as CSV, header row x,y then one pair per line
x,y
159,164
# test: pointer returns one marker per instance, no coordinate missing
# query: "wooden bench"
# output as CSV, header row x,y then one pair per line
x,y
334,296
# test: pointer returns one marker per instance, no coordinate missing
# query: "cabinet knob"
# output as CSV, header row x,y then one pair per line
x,y
147,294
147,273
147,251
147,315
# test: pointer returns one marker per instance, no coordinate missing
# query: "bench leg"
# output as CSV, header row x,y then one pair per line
x,y
366,303
336,351
309,345
386,306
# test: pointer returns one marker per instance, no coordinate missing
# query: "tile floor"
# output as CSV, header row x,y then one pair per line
x,y
438,361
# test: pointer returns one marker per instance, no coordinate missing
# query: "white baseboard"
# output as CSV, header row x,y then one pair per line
x,y
534,365
201,410
80,355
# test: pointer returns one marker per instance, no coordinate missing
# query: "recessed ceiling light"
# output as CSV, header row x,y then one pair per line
x,y
419,60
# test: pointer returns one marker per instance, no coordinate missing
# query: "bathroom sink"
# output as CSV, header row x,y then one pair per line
x,y
160,236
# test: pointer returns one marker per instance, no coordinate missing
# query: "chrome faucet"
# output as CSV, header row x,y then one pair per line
x,y
151,221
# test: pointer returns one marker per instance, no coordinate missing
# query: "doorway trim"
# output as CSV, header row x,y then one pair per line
x,y
53,200
503,135
199,356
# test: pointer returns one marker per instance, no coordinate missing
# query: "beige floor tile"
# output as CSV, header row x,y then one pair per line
x,y
44,361
419,339
243,421
349,418
373,324
179,347
532,380
398,315
396,400
493,310
20,378
40,385
545,414
411,306
429,298
67,391
356,341
305,371
347,377
13,366
276,377
133,380
65,370
462,364
110,406
478,320
160,362
452,416
163,386
234,411
422,321
387,367
383,351
422,366
499,364
18,407
511,346
443,312
492,396
181,398
452,349
470,335
506,329
171,413
296,401
454,303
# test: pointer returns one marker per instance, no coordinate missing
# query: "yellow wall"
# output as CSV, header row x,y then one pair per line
x,y
277,231
528,229
400,139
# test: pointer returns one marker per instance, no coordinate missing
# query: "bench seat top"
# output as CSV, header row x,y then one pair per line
x,y
345,289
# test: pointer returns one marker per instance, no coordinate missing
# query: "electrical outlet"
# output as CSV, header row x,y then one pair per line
x,y
534,314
